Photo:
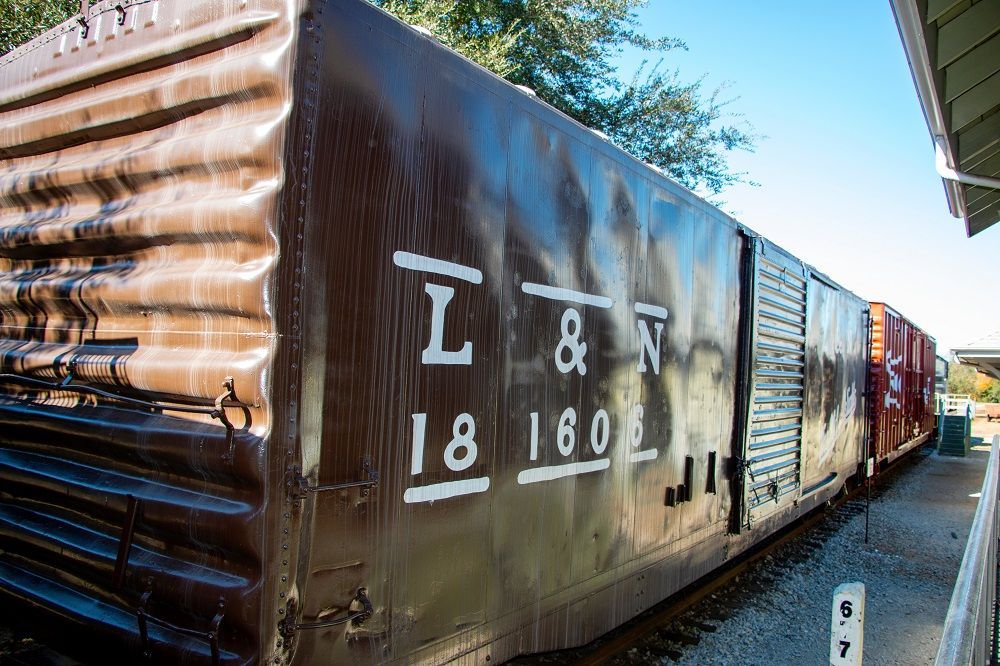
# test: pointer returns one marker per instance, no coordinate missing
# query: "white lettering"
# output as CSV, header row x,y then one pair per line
x,y
651,310
461,440
649,348
534,435
643,456
418,262
440,491
570,342
635,429
560,294
600,431
419,432
560,471
435,353
565,437
895,381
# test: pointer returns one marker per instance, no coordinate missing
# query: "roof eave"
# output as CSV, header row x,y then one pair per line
x,y
911,34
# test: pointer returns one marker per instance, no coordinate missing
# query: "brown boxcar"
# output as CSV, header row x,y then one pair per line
x,y
901,404
321,344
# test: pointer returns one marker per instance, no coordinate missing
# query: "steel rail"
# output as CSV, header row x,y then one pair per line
x,y
969,635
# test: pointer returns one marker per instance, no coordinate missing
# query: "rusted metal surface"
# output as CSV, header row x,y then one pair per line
x,y
141,162
901,407
321,344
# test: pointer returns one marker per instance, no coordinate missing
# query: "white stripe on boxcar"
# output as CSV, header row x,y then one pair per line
x,y
418,262
539,474
440,491
642,456
560,294
651,310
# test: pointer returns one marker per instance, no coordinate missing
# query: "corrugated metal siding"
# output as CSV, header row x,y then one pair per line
x,y
774,437
139,180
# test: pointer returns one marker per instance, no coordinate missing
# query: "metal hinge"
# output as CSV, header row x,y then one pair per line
x,y
299,488
288,626
744,467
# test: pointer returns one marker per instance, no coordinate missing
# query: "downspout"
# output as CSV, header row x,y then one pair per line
x,y
945,170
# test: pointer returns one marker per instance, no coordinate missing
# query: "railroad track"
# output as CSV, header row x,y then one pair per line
x,y
821,523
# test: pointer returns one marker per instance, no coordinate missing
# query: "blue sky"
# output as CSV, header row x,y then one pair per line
x,y
846,173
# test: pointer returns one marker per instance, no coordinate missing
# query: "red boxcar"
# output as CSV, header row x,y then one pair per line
x,y
900,407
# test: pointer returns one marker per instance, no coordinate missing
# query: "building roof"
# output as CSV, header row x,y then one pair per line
x,y
983,353
953,47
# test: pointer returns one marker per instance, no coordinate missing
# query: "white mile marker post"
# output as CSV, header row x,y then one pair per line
x,y
847,629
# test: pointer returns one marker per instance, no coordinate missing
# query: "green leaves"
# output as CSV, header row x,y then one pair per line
x,y
22,20
459,26
564,50
966,380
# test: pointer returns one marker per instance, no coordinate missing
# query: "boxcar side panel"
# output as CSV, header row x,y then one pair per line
x,y
902,377
835,370
140,174
530,336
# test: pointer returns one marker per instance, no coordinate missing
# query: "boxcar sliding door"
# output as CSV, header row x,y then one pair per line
x,y
772,447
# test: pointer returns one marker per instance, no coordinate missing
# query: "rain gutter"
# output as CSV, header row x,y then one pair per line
x,y
912,35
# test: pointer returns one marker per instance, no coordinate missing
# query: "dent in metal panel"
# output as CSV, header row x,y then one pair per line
x,y
712,386
614,258
549,218
671,260
139,178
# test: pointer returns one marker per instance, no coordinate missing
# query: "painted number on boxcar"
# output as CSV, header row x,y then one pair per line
x,y
570,357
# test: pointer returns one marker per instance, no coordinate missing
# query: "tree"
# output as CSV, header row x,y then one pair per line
x,y
564,49
961,379
21,20
965,380
991,393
